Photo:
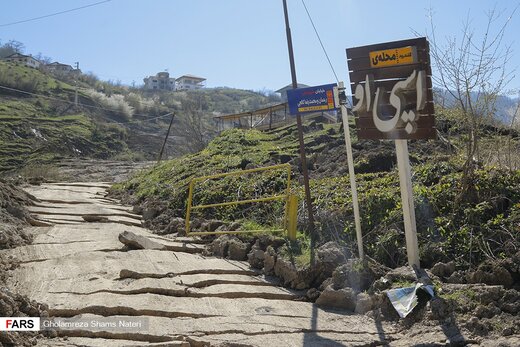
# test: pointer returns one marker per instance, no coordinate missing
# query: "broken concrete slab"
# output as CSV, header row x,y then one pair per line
x,y
80,209
64,218
103,342
134,241
320,328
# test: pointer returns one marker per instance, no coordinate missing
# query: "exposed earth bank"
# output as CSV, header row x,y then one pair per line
x,y
13,218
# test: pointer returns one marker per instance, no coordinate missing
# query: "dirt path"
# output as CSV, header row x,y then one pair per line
x,y
81,269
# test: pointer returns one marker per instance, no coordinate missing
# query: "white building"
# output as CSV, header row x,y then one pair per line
x,y
60,68
26,60
161,81
283,91
186,82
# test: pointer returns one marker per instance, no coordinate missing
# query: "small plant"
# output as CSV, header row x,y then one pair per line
x,y
46,171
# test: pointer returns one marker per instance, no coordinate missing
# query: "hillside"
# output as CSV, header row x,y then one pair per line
x,y
468,243
41,124
446,230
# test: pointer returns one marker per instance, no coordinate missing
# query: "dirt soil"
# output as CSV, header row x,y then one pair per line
x,y
14,217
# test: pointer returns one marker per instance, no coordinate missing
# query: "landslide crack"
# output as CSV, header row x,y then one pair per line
x,y
79,214
138,275
106,311
212,282
115,336
187,293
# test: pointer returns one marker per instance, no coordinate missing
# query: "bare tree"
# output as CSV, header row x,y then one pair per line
x,y
474,72
11,47
195,126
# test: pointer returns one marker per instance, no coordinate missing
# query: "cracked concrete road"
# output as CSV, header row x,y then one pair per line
x,y
81,269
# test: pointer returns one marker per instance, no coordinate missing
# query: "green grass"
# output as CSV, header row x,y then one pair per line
x,y
37,130
449,230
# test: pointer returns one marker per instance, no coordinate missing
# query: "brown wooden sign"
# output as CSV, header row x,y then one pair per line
x,y
392,89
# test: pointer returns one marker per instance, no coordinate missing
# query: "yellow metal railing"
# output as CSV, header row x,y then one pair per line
x,y
291,205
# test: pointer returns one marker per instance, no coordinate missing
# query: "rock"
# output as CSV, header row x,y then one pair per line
x,y
328,257
220,246
476,326
329,281
354,274
381,284
196,224
238,250
212,225
457,277
494,275
265,240
344,298
137,209
222,228
150,213
510,295
133,241
509,307
330,253
256,256
15,211
507,331
269,260
440,309
401,274
234,226
363,303
176,225
92,218
313,294
443,270
490,294
38,223
286,270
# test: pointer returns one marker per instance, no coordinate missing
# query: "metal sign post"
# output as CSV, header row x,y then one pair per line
x,y
352,175
405,180
303,159
392,85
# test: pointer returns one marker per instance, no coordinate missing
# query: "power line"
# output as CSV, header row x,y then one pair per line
x,y
54,14
319,39
323,47
147,118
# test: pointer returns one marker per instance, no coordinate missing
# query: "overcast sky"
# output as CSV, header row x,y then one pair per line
x,y
234,43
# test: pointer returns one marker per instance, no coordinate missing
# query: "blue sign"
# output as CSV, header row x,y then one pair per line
x,y
312,99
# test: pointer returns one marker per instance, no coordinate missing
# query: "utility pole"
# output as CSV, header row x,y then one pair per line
x,y
76,84
165,139
303,159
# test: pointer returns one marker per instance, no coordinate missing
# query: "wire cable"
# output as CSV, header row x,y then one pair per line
x,y
147,118
323,48
53,14
319,39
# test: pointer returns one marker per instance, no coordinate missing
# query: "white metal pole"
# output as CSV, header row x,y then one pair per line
x,y
352,176
405,178
76,85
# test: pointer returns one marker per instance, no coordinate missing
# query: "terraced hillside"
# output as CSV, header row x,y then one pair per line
x,y
40,123
38,126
